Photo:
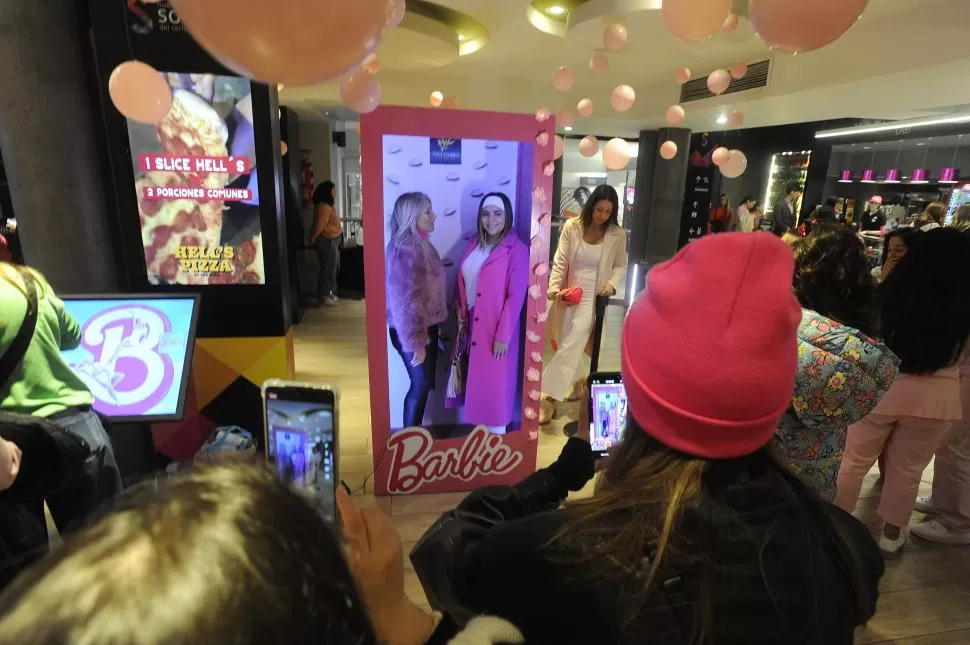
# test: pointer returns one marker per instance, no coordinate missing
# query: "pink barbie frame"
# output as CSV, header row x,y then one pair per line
x,y
412,460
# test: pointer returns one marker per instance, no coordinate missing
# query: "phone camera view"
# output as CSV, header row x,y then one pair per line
x,y
608,418
301,444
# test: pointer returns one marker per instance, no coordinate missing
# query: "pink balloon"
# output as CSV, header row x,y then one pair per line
x,y
615,37
730,23
450,103
735,119
563,79
738,70
290,49
371,64
599,64
559,147
718,81
616,154
360,92
623,98
564,118
668,150
735,166
585,107
543,114
436,98
140,92
720,155
397,9
695,21
589,146
675,115
682,75
796,27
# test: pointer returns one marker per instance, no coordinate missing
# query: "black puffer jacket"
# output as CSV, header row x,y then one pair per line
x,y
496,554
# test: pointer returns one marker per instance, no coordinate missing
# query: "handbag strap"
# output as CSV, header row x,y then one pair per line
x,y
18,348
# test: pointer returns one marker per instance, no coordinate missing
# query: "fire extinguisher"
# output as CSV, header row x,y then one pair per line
x,y
307,168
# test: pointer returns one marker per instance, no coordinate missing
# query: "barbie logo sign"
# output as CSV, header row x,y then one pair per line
x,y
414,462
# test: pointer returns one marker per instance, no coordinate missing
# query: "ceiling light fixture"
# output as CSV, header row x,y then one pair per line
x,y
845,177
555,10
568,128
896,125
949,176
722,119
920,176
461,37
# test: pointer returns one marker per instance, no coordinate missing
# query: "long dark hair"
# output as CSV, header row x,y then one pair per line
x,y
832,276
603,192
324,193
678,511
224,554
905,233
923,306
482,236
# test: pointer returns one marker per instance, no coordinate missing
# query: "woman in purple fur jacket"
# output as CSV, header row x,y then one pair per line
x,y
415,298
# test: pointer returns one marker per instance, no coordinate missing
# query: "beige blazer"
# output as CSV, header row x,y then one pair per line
x,y
612,269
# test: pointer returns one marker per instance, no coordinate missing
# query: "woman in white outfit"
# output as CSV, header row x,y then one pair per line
x,y
592,257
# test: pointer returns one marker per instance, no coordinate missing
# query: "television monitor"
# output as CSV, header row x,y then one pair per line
x,y
135,353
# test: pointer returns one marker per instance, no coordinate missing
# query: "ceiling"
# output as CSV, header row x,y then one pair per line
x,y
904,59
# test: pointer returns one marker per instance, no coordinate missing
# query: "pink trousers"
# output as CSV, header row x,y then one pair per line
x,y
951,473
908,444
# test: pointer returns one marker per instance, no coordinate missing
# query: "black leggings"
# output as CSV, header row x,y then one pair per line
x,y
422,378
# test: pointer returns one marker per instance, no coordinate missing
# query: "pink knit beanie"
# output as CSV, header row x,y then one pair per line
x,y
709,350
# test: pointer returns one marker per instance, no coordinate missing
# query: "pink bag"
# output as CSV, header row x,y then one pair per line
x,y
572,296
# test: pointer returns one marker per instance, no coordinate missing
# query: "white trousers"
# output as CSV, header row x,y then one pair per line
x,y
571,363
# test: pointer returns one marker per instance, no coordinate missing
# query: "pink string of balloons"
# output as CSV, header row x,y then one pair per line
x,y
585,107
668,150
675,115
718,81
599,64
623,98
616,154
615,37
589,146
360,91
563,79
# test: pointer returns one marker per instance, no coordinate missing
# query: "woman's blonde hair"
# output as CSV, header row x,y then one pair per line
x,y
961,219
404,218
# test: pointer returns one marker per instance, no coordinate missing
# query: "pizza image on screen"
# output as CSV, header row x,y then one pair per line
x,y
196,185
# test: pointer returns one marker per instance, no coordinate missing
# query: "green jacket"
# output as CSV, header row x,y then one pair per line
x,y
42,384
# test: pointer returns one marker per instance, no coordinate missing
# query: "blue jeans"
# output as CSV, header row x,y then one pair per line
x,y
101,481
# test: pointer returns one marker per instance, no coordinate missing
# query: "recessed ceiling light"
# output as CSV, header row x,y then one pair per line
x,y
461,36
721,120
868,148
555,10
568,128
921,143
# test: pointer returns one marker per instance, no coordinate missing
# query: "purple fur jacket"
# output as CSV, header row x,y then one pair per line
x,y
415,291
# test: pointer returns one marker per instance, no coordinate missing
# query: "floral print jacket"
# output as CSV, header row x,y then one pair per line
x,y
842,374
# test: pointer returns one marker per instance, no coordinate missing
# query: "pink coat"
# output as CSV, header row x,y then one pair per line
x,y
490,393
415,291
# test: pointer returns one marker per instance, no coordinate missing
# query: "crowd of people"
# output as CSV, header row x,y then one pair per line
x,y
723,515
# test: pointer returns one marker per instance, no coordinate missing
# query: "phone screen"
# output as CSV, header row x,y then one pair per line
x,y
607,415
301,441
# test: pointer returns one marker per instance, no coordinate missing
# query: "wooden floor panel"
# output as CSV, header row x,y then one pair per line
x,y
925,594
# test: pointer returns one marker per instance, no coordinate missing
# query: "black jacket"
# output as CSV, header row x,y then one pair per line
x,y
495,554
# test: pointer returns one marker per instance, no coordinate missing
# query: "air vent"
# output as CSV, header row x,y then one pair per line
x,y
756,78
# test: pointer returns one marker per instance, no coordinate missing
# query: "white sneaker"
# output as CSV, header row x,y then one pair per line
x,y
933,531
892,549
924,504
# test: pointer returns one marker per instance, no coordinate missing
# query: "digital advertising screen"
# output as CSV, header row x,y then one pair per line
x,y
196,183
301,445
135,353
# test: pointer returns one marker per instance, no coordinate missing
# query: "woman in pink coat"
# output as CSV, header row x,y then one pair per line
x,y
493,279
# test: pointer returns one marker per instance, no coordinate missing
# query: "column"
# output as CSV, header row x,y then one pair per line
x,y
658,205
49,150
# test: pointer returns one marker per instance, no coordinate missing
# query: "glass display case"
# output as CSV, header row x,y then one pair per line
x,y
786,167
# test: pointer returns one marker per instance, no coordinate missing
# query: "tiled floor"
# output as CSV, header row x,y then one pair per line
x,y
925,594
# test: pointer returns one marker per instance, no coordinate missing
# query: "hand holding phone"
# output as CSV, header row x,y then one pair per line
x,y
301,422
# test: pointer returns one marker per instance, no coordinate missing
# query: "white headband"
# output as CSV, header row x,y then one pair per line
x,y
494,200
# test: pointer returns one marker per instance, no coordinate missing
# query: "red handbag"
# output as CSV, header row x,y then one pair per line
x,y
571,296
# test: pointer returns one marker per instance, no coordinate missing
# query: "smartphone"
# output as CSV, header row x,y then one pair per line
x,y
607,411
301,421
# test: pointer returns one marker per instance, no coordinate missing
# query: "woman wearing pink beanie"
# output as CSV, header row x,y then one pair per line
x,y
696,532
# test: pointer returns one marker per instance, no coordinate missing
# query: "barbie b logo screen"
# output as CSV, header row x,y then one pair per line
x,y
608,418
134,353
